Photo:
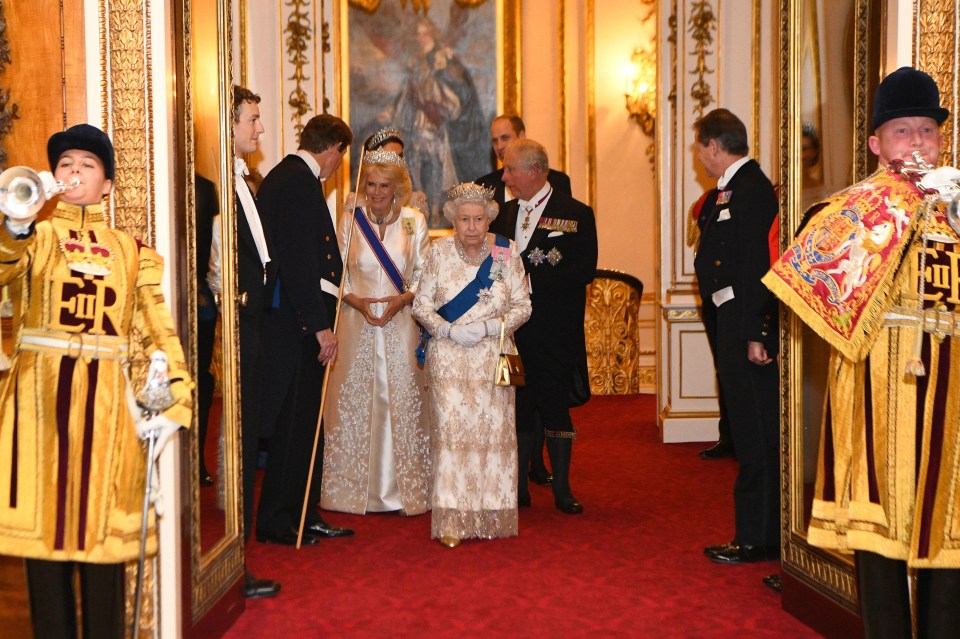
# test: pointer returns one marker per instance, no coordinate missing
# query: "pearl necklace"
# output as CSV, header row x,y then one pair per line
x,y
379,220
472,261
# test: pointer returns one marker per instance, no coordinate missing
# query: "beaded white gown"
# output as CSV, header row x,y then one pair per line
x,y
377,440
474,433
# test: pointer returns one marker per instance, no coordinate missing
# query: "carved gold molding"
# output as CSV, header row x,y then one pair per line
x,y
127,98
298,32
683,316
936,53
613,335
701,26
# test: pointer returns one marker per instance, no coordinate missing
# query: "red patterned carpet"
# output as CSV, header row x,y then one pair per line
x,y
631,566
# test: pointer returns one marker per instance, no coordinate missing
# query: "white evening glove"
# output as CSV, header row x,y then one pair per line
x,y
493,327
164,428
468,334
443,330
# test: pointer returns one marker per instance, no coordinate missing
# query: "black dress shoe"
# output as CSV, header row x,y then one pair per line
x,y
774,582
740,554
712,550
542,478
718,451
523,501
570,505
286,538
254,588
323,529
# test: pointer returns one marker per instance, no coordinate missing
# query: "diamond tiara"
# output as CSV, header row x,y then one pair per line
x,y
383,157
471,191
382,136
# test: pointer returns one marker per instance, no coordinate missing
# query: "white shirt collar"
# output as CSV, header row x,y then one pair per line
x,y
311,162
731,171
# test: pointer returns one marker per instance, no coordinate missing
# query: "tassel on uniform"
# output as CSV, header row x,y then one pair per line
x,y
915,367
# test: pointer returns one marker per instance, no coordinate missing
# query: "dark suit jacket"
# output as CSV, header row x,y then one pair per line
x,y
735,251
552,340
559,180
295,211
293,206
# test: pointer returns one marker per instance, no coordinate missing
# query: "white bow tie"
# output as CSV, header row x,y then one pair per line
x,y
240,167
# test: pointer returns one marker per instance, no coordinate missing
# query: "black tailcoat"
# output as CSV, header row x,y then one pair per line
x,y
250,283
293,205
551,343
734,251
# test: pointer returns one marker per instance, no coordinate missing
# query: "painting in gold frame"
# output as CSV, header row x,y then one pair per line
x,y
438,72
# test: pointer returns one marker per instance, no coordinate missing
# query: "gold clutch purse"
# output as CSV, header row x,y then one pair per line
x,y
509,367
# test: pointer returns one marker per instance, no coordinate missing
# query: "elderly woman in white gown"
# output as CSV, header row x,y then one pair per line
x,y
376,428
471,283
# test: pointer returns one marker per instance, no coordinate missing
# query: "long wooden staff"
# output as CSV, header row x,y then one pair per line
x,y
326,370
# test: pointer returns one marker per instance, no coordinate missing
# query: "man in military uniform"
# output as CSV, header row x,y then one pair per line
x,y
874,272
732,257
298,339
557,237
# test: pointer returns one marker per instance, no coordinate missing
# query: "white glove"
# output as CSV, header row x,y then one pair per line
x,y
468,334
493,327
19,228
443,330
164,428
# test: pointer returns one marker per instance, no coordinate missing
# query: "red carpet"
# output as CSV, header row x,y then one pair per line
x,y
631,566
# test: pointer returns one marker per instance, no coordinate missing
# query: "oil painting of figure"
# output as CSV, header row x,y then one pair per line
x,y
430,73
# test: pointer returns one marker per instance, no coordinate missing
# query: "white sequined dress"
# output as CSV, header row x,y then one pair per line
x,y
474,433
377,437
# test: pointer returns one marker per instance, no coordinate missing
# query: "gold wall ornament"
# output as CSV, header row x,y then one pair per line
x,y
299,31
128,86
936,52
612,333
701,26
325,48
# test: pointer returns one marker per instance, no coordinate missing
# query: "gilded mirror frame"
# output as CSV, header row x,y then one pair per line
x,y
828,573
209,576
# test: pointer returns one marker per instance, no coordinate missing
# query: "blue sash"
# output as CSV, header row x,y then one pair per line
x,y
389,267
465,299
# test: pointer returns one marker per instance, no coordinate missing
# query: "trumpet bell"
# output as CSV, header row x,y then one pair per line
x,y
23,191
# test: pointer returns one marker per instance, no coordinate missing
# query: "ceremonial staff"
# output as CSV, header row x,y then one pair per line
x,y
326,370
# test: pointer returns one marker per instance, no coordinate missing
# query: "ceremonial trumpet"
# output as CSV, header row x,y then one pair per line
x,y
24,191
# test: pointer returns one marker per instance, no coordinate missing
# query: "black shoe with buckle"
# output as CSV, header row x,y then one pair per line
x,y
320,528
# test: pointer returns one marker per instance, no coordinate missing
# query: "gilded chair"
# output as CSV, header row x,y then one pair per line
x,y
612,332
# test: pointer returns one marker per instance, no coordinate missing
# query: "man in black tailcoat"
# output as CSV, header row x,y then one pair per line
x,y
256,273
503,130
732,256
557,237
298,338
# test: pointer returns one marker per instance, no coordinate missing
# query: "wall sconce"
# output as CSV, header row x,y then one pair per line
x,y
642,89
